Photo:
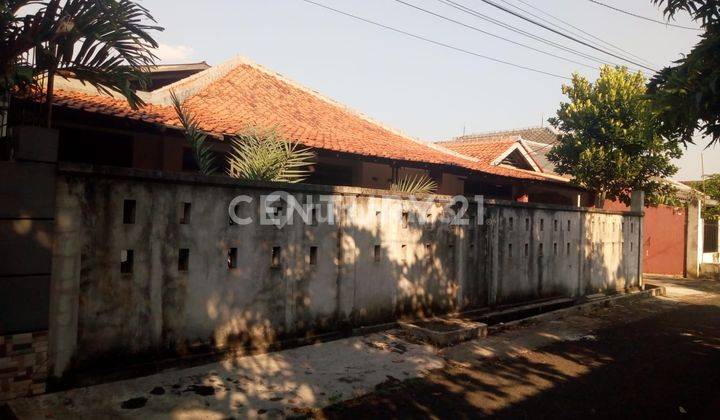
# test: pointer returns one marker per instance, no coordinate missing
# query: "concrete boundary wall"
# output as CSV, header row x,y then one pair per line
x,y
195,279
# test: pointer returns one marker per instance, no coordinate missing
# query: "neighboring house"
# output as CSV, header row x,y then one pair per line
x,y
663,253
238,95
524,150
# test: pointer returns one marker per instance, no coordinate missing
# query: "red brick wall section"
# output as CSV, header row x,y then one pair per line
x,y
663,239
23,364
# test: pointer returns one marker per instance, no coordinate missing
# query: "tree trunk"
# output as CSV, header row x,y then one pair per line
x,y
600,199
49,95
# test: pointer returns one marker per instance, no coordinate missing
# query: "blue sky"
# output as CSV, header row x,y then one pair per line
x,y
425,90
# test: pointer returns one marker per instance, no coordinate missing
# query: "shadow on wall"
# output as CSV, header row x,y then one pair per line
x,y
164,271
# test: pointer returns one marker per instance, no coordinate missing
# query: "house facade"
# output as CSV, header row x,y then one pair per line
x,y
118,251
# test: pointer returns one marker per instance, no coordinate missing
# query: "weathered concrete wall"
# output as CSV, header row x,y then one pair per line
x,y
378,262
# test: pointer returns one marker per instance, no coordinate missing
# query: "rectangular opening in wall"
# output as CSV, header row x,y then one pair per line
x,y
511,223
129,212
555,248
403,252
555,227
567,248
314,216
428,251
313,255
542,225
185,213
378,217
541,249
183,259
405,218
376,253
527,224
631,246
275,257
510,250
568,226
632,227
232,258
527,249
126,261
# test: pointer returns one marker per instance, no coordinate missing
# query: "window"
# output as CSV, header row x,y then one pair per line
x,y
510,250
313,255
185,214
183,259
376,253
568,226
403,252
405,217
556,225
555,248
527,224
232,258
511,223
567,248
542,225
527,249
542,246
129,212
126,261
314,216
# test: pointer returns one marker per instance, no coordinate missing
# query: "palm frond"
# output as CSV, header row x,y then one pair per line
x,y
263,156
416,184
105,43
195,137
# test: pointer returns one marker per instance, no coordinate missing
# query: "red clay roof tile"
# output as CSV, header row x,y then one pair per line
x,y
248,96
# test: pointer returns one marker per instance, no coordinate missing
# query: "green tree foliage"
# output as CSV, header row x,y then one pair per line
x,y
416,184
687,95
610,142
711,187
105,43
263,156
204,157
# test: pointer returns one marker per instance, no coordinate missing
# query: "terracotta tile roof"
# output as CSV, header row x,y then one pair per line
x,y
239,95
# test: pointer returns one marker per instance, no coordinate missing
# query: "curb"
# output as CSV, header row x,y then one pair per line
x,y
559,313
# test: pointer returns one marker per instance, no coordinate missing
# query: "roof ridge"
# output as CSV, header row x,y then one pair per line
x,y
204,78
497,133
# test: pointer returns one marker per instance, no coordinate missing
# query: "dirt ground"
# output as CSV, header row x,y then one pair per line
x,y
655,358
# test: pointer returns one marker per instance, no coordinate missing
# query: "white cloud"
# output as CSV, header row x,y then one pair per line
x,y
173,54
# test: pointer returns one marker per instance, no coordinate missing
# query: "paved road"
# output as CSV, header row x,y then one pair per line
x,y
658,358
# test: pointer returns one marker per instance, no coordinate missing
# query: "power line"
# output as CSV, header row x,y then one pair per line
x,y
530,35
442,44
642,17
563,34
588,35
494,35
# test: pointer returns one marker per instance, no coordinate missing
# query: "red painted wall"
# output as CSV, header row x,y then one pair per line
x,y
663,238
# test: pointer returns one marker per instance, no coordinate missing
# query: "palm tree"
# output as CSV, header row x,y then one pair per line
x,y
263,156
416,184
105,43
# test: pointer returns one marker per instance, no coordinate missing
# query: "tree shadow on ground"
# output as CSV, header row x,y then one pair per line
x,y
658,367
